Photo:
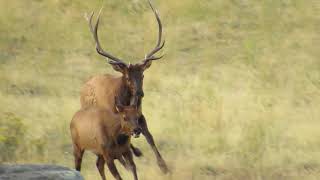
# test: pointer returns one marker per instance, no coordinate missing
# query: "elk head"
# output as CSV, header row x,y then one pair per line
x,y
132,73
129,120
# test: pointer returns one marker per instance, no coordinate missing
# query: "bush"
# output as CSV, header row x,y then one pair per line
x,y
12,134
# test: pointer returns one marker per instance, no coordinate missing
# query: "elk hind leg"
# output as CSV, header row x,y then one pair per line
x,y
78,154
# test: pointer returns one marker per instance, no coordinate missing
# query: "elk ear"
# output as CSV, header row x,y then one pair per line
x,y
146,65
120,67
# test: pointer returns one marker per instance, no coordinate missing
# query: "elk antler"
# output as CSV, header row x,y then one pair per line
x,y
94,31
160,44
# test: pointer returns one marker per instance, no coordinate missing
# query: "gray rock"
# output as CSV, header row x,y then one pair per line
x,y
37,172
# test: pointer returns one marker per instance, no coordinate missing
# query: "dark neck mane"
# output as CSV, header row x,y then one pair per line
x,y
124,94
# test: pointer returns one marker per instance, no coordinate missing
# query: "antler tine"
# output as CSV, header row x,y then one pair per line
x,y
152,58
159,22
159,45
94,31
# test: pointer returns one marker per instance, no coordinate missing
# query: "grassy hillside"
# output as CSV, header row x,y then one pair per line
x,y
237,95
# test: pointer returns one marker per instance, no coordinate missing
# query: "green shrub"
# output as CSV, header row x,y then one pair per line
x,y
12,134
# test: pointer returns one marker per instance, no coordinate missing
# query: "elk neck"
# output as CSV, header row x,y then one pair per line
x,y
124,93
121,135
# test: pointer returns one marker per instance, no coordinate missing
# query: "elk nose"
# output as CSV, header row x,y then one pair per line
x,y
140,93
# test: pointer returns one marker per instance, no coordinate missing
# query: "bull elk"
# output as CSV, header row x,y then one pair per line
x,y
107,135
100,90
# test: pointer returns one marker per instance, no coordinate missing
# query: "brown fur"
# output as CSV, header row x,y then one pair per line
x,y
104,87
100,90
97,130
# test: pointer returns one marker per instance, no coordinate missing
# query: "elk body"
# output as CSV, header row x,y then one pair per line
x,y
100,90
106,134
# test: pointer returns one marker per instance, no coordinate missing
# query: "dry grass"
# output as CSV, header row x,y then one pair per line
x,y
236,97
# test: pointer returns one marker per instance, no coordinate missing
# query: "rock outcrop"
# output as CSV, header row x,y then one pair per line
x,y
37,172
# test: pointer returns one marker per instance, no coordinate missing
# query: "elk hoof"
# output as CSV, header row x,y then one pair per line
x,y
163,166
137,152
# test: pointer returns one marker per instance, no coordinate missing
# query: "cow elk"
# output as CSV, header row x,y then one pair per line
x,y
100,90
107,135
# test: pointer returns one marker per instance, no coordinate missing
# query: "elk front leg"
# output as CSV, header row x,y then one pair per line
x,y
129,158
100,165
113,169
145,131
123,162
